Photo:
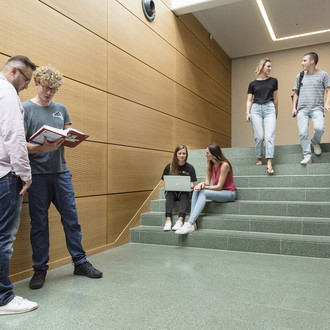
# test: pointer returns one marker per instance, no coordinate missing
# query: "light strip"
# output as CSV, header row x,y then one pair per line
x,y
270,28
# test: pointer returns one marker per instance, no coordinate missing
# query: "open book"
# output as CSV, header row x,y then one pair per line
x,y
72,136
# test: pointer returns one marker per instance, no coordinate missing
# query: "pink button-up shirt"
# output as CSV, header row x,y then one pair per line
x,y
13,151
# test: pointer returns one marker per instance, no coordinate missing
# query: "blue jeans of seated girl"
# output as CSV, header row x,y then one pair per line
x,y
264,115
199,199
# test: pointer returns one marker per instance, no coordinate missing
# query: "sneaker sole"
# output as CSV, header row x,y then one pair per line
x,y
18,312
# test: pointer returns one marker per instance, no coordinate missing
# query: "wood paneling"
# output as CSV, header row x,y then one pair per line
x,y
95,20
127,32
192,23
191,135
192,48
134,169
164,22
136,81
132,124
88,164
219,96
190,107
222,140
54,39
220,73
190,76
220,54
220,121
121,208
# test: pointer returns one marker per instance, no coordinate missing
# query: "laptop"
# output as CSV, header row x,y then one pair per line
x,y
177,182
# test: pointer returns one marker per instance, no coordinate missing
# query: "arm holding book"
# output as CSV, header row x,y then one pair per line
x,y
46,147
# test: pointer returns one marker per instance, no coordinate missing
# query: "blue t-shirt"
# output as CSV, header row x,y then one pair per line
x,y
35,116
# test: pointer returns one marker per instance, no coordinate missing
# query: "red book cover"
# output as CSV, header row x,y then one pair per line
x,y
72,136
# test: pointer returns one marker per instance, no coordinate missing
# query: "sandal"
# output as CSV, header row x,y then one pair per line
x,y
270,171
259,162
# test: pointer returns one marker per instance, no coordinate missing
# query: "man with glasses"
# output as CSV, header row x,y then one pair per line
x,y
51,180
15,173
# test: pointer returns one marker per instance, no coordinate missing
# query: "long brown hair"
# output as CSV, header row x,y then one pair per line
x,y
216,152
174,168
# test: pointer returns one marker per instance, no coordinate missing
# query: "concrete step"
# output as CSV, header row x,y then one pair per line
x,y
251,207
255,223
274,243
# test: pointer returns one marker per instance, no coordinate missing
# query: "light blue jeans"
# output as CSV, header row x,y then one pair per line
x,y
317,118
264,115
199,199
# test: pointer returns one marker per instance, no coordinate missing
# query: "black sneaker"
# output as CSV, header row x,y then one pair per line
x,y
86,269
38,279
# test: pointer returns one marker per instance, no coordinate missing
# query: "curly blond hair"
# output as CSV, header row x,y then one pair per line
x,y
48,75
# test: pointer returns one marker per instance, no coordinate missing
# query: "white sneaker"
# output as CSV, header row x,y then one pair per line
x,y
18,305
168,225
306,160
186,228
177,225
317,149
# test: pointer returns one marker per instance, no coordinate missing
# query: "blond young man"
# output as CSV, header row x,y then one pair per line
x,y
51,179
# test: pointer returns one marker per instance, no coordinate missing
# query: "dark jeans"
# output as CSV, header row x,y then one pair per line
x,y
57,189
10,212
174,196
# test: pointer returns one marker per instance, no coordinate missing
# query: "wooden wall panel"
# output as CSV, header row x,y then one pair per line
x,y
188,45
134,169
220,73
88,164
121,208
133,36
192,136
192,23
54,39
131,124
220,121
190,76
219,96
163,25
223,141
90,14
220,54
190,107
136,81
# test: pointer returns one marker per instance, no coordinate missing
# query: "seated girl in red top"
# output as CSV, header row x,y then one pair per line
x,y
222,190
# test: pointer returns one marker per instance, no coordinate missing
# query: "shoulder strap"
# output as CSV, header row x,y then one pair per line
x,y
301,76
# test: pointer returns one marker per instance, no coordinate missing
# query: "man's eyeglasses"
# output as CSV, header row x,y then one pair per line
x,y
47,89
27,80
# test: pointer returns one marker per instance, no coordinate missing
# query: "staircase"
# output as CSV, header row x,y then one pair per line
x,y
288,213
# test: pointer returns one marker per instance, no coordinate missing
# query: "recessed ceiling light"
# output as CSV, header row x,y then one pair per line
x,y
270,28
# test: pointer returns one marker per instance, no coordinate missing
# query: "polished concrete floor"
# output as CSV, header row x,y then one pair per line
x,y
163,287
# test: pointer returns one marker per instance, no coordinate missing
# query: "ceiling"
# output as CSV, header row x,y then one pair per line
x,y
239,28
